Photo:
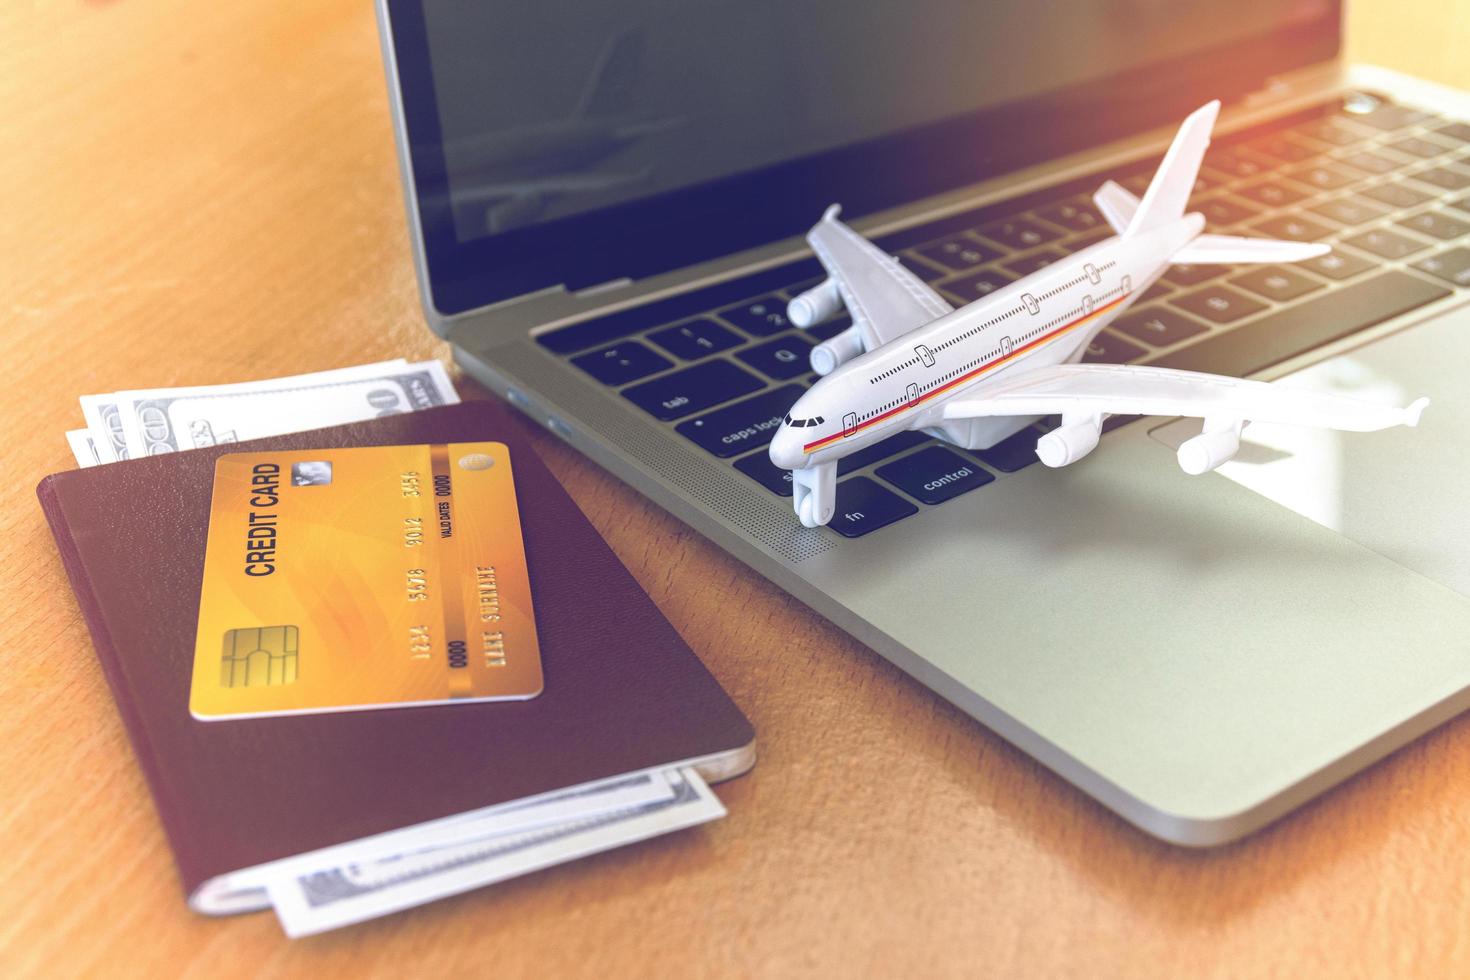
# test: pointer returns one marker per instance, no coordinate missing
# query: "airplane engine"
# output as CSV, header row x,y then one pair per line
x,y
1208,450
819,303
1070,442
830,353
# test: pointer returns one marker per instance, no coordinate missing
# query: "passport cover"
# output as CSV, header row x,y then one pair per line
x,y
623,691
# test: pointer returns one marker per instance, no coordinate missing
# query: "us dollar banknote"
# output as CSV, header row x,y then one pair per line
x,y
315,900
105,425
132,424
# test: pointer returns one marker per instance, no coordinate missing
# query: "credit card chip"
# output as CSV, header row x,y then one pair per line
x,y
261,656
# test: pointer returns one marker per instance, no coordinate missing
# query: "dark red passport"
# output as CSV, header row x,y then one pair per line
x,y
623,692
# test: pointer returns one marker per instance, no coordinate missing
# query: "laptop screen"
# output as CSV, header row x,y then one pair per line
x,y
563,142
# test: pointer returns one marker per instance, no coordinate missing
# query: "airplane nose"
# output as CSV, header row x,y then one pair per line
x,y
786,449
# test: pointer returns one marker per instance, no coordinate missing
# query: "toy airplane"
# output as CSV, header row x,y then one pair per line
x,y
978,374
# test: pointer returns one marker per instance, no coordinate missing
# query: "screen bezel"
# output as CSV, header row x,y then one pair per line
x,y
766,204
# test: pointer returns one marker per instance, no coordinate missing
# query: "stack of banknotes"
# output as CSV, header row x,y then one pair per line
x,y
131,424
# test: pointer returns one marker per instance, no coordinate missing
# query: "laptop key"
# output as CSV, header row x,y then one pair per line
x,y
1158,289
1013,453
695,339
977,285
1018,233
1436,224
1333,131
691,390
1158,326
1239,162
1452,266
926,271
1385,243
1418,147
1396,195
1276,282
1459,131
828,329
934,475
1218,304
958,253
1225,211
1370,163
615,326
891,446
1443,177
781,359
1293,227
622,363
1338,265
1348,211
743,426
758,467
1286,333
1077,214
1137,183
1041,259
863,507
1323,177
1271,194
1108,348
1389,116
761,317
1283,148
1086,241
1192,275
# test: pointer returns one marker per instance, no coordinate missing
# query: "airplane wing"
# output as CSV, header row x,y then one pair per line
x,y
884,299
1120,389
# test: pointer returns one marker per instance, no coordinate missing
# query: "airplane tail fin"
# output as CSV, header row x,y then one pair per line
x,y
1168,194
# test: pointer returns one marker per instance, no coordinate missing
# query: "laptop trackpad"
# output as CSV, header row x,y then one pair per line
x,y
1400,492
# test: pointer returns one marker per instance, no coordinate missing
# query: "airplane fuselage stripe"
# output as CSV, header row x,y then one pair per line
x,y
968,376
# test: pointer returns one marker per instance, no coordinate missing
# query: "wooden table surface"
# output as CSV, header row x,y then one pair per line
x,y
196,193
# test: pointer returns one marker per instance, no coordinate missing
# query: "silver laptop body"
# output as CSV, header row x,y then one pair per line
x,y
1199,654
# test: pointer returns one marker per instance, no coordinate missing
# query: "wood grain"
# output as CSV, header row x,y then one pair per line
x,y
189,188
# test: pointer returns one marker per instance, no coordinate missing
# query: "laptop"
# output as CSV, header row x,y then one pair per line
x,y
608,202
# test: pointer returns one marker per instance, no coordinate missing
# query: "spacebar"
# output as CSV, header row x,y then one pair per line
x,y
1275,338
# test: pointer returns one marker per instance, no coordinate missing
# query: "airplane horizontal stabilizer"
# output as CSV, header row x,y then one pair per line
x,y
1233,250
1117,205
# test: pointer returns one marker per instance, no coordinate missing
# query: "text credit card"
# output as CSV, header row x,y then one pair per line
x,y
378,577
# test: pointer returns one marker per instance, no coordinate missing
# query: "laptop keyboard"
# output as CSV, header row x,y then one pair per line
x,y
1389,188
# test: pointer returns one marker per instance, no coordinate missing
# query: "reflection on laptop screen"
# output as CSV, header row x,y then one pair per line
x,y
556,108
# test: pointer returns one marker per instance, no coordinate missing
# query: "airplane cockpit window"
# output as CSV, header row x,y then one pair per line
x,y
803,423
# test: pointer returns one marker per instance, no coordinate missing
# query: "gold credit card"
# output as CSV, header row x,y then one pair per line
x,y
380,577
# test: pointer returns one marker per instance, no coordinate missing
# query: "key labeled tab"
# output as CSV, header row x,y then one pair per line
x,y
692,390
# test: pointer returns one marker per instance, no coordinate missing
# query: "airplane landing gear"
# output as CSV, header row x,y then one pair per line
x,y
814,493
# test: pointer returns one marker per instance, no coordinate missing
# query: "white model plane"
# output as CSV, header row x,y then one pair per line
x,y
975,375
